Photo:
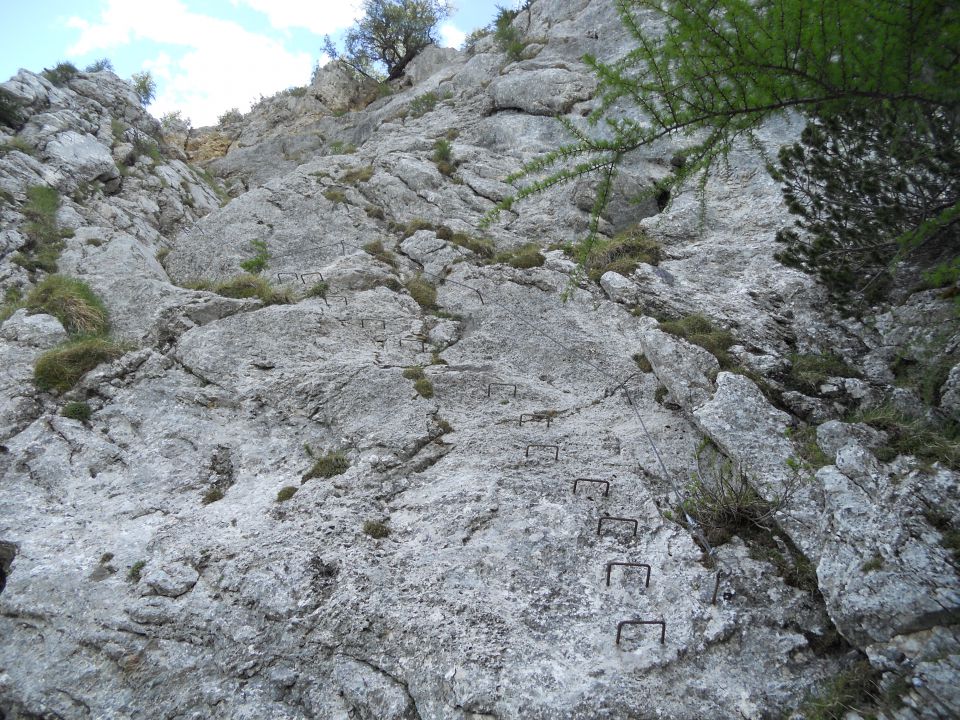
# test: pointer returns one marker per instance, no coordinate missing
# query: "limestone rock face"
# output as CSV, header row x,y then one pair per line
x,y
333,494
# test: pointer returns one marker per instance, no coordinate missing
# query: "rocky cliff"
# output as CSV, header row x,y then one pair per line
x,y
364,483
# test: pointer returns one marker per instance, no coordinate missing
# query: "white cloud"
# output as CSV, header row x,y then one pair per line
x,y
317,17
451,35
223,65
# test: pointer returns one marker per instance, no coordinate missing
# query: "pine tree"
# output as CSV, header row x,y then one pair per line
x,y
719,68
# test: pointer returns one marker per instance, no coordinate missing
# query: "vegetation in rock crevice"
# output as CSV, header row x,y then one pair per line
x,y
44,235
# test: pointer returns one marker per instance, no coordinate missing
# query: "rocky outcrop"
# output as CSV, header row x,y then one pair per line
x,y
356,498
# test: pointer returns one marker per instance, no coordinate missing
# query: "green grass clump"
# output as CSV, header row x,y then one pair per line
x,y
335,195
414,372
375,212
811,457
422,292
256,264
622,254
417,224
933,442
642,362
522,258
72,302
376,529
133,574
249,286
332,464
77,411
852,690
809,371
61,368
949,534
357,175
376,248
286,493
424,388
483,247
338,147
12,297
44,236
211,496
699,330
925,375
422,104
319,290
18,144
873,564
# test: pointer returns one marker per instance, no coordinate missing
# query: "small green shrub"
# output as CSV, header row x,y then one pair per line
x,y
133,575
62,367
423,293
374,212
443,156
72,302
149,148
522,258
509,40
357,175
699,330
335,195
144,86
444,426
211,496
422,104
332,464
230,116
258,262
11,110
161,254
286,493
77,411
249,286
642,362
376,249
424,388
660,394
61,73
873,564
622,254
99,66
376,529
809,371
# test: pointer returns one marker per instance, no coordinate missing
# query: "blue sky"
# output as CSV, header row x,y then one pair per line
x,y
207,55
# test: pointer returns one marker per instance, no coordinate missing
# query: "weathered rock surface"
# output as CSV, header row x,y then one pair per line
x,y
148,562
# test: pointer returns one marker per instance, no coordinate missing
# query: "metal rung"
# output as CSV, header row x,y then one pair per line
x,y
605,483
610,566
